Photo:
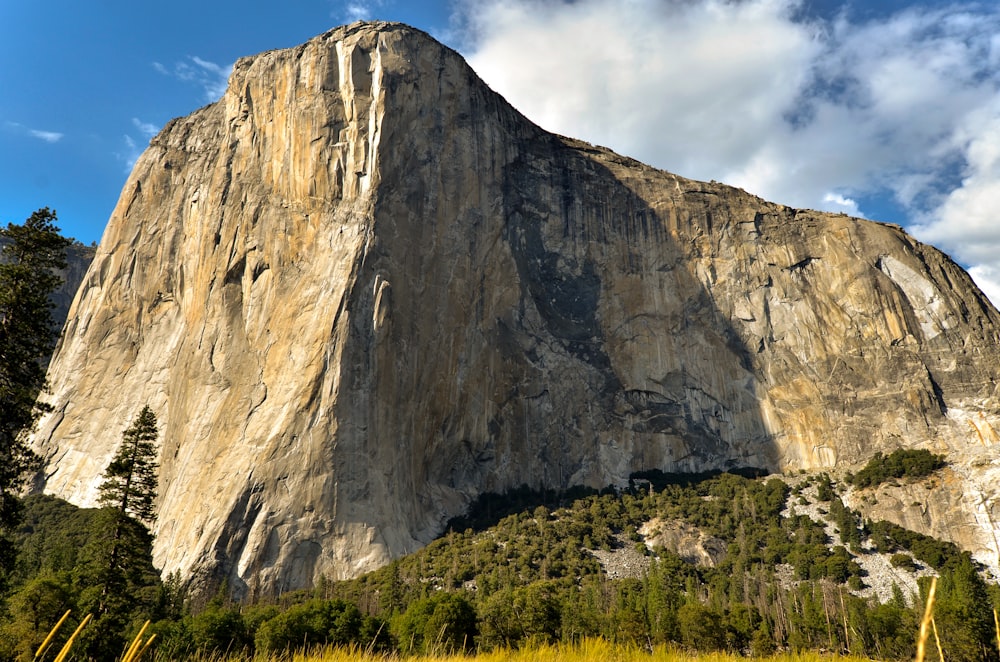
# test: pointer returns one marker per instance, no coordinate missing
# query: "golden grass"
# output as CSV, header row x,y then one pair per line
x,y
69,642
52,633
136,650
925,622
588,650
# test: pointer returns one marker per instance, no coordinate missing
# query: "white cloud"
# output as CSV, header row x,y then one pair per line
x,y
147,129
130,154
214,77
47,136
822,114
967,220
987,277
20,129
836,202
685,86
357,10
210,76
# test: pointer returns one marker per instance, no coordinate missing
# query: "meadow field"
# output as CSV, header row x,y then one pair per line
x,y
588,650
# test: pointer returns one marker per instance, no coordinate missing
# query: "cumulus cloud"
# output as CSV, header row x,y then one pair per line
x,y
987,277
210,76
824,112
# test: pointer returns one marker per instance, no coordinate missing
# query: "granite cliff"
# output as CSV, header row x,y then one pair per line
x,y
361,289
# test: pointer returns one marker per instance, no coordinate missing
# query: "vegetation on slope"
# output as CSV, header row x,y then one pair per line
x,y
901,463
522,573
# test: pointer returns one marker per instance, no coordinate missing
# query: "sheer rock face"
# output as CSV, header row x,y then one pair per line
x,y
361,289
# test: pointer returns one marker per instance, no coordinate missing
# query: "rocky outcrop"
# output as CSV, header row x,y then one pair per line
x,y
361,289
688,542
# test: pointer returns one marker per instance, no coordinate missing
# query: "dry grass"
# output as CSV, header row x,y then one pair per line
x,y
588,650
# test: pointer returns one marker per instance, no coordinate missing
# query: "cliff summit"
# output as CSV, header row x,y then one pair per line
x,y
361,289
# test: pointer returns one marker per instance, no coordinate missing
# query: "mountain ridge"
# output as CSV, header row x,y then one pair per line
x,y
361,289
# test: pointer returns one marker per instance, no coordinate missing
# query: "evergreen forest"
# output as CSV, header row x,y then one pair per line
x,y
525,569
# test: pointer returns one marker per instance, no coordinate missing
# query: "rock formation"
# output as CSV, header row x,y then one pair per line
x,y
78,258
361,289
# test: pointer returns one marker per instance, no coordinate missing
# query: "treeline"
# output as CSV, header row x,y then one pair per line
x,y
530,578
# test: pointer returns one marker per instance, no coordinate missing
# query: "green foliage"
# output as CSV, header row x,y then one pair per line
x,y
27,334
219,629
444,622
847,523
130,480
701,627
51,536
824,488
33,609
114,572
905,561
963,613
938,554
527,614
530,579
318,623
901,463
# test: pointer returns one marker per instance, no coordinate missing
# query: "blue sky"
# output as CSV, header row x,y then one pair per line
x,y
881,108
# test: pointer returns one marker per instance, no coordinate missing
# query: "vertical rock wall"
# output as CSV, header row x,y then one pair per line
x,y
361,289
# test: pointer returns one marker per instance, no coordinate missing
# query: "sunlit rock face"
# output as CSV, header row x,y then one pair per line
x,y
361,289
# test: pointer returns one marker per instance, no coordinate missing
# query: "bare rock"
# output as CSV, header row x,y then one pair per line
x,y
686,541
360,290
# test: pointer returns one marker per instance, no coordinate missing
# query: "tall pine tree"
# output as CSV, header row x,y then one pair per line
x,y
130,480
30,256
127,495
118,571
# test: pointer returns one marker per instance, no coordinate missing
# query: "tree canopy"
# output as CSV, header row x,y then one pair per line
x,y
28,262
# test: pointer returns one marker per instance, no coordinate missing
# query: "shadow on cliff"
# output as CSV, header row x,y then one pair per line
x,y
580,235
490,508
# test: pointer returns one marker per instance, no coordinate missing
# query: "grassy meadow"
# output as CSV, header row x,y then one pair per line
x,y
588,650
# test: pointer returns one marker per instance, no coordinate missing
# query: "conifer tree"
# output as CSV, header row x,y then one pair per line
x,y
118,572
127,494
27,333
130,481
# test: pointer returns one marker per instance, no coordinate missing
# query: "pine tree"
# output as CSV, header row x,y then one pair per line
x,y
118,573
130,481
963,613
27,333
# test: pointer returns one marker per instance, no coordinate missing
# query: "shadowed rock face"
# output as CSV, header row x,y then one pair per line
x,y
78,258
361,289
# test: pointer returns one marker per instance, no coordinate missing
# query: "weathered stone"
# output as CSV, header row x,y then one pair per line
x,y
688,542
361,289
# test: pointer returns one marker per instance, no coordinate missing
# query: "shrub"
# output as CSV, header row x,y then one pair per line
x,y
904,561
442,622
